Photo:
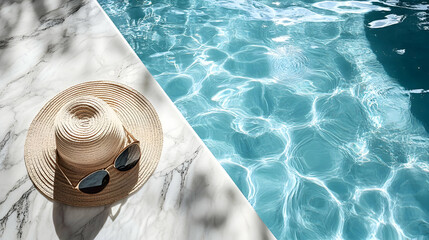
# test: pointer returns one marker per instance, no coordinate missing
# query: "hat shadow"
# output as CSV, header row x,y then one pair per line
x,y
78,222
73,222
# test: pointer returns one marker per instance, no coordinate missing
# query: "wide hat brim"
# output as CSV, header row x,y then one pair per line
x,y
138,116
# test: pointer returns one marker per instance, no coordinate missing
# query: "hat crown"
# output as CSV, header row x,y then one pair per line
x,y
88,133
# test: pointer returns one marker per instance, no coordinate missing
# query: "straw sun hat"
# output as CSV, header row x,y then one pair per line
x,y
83,130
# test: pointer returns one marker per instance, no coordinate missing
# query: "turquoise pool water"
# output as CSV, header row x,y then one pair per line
x,y
299,103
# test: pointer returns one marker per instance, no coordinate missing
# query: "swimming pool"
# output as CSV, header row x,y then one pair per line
x,y
292,99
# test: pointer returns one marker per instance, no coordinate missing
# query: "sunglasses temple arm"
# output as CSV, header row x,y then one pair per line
x,y
65,176
134,139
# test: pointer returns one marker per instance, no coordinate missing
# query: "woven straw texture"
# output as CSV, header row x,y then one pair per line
x,y
84,124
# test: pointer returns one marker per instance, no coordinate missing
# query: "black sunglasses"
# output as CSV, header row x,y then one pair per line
x,y
96,181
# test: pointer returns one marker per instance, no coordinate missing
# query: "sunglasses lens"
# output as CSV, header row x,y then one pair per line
x,y
128,158
95,182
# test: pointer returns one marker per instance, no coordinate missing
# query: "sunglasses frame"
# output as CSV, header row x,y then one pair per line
x,y
134,141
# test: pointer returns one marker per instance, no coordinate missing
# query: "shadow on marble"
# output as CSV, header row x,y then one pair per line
x,y
77,222
83,222
212,211
38,16
199,197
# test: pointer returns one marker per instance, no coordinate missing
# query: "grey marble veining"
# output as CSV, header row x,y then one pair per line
x,y
47,46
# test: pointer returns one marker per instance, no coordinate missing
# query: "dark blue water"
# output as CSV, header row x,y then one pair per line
x,y
403,49
316,109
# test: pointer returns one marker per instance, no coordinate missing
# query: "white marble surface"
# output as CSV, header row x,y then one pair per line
x,y
49,45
